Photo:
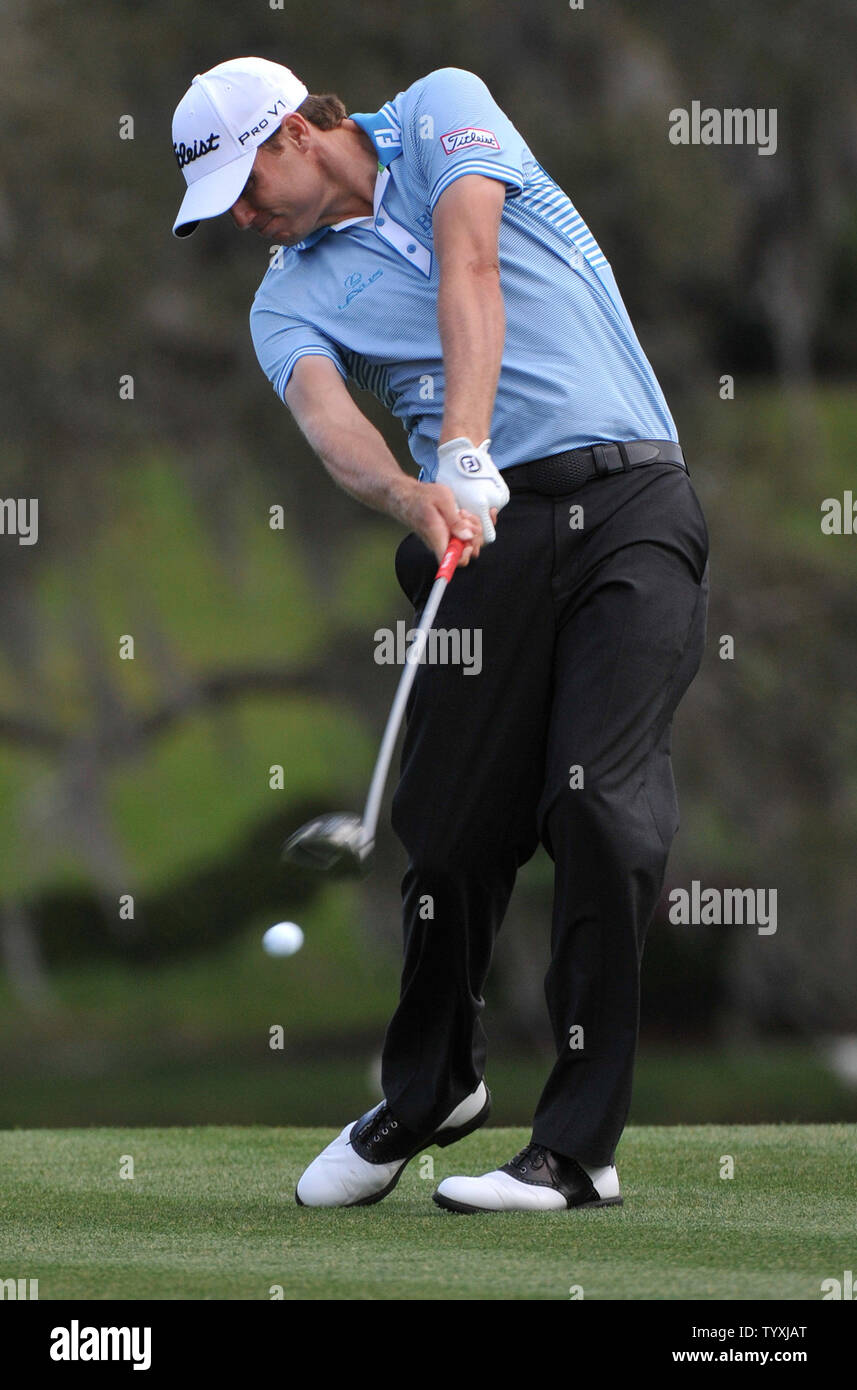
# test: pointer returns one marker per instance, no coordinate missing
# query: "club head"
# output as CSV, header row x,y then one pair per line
x,y
333,844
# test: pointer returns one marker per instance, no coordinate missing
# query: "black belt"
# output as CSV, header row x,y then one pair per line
x,y
561,473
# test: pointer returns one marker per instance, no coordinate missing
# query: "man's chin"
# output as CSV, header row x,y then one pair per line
x,y
280,238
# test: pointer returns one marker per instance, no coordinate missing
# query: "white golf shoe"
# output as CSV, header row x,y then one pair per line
x,y
536,1179
366,1160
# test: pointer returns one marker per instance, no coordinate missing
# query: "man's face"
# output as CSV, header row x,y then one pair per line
x,y
284,197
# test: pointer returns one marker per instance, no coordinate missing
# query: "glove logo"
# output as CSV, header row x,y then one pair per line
x,y
469,464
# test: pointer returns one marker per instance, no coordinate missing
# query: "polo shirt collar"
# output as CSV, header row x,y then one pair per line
x,y
384,136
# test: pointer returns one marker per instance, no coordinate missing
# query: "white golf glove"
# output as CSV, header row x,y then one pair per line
x,y
474,478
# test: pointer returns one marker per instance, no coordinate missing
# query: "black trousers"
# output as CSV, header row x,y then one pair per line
x,y
590,637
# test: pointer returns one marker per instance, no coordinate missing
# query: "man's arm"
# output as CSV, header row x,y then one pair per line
x,y
358,459
470,312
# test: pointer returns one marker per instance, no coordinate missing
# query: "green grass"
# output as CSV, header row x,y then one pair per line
x,y
209,1214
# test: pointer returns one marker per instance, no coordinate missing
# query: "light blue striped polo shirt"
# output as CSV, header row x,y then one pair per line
x,y
364,291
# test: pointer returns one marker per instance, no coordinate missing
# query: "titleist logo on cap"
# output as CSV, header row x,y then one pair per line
x,y
186,154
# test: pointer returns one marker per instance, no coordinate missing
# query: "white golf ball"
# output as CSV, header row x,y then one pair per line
x,y
284,939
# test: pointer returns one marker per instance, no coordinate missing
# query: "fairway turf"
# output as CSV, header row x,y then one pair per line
x,y
210,1214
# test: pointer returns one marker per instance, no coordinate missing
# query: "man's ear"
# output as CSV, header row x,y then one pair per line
x,y
294,129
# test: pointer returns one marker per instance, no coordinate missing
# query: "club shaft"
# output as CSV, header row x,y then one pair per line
x,y
412,661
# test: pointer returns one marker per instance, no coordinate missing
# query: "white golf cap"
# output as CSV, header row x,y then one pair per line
x,y
220,121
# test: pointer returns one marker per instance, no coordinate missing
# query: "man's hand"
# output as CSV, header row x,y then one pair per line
x,y
430,509
477,484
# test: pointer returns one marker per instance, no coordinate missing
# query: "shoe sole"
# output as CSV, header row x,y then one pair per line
x,y
441,1138
463,1209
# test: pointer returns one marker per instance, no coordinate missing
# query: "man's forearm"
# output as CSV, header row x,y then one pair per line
x,y
472,323
356,456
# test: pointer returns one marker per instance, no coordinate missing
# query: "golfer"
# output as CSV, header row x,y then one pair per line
x,y
425,254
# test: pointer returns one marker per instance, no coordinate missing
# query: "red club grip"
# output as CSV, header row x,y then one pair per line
x,y
449,563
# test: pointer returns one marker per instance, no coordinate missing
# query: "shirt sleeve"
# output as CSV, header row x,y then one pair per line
x,y
455,127
281,339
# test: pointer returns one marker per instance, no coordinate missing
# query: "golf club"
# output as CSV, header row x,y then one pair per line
x,y
341,842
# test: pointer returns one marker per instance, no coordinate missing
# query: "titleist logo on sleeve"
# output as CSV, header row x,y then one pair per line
x,y
466,137
186,154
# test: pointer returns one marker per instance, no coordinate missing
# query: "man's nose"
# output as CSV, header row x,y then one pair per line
x,y
242,214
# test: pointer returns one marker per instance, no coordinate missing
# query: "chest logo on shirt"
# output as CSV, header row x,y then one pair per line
x,y
455,140
355,284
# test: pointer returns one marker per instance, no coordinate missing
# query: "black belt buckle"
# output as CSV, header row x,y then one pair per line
x,y
609,458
